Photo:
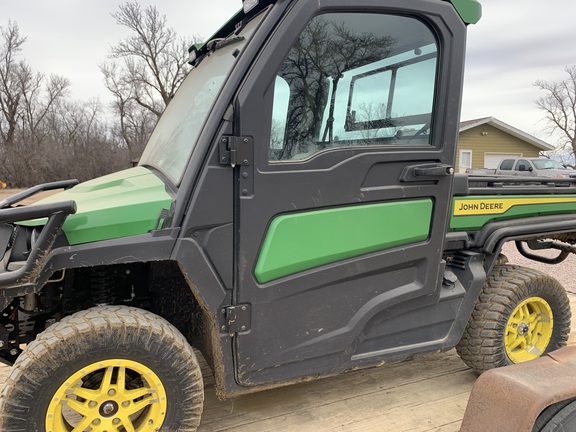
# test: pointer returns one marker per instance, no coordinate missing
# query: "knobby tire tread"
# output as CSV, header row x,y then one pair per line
x,y
482,344
126,324
549,414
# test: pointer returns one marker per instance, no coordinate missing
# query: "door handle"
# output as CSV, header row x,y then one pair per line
x,y
430,171
433,171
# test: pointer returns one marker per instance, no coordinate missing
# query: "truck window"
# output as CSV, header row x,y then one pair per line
x,y
523,165
506,164
543,164
354,80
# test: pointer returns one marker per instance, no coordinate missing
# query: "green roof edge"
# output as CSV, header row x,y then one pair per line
x,y
469,10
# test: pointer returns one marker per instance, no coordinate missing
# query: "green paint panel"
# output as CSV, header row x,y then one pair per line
x,y
469,10
118,205
516,211
302,241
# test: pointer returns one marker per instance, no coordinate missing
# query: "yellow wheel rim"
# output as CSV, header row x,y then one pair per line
x,y
529,330
109,395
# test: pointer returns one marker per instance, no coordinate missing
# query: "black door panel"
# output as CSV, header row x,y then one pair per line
x,y
339,258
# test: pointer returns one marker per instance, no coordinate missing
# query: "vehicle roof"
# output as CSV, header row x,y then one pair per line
x,y
469,10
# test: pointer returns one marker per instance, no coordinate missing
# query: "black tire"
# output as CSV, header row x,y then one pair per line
x,y
560,417
144,344
483,346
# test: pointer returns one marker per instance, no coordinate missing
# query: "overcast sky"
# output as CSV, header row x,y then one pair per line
x,y
515,43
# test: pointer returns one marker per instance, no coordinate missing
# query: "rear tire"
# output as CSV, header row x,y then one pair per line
x,y
521,314
105,367
560,417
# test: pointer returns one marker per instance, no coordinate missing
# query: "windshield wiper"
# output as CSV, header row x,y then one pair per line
x,y
197,52
216,44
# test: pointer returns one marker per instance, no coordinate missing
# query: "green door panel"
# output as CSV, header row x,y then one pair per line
x,y
472,213
301,241
118,205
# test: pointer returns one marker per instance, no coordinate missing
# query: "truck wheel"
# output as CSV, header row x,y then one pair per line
x,y
520,315
110,368
560,417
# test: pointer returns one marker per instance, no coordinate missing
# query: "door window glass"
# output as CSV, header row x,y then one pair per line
x,y
354,80
523,165
507,164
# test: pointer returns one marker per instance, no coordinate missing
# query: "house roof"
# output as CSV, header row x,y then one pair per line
x,y
504,127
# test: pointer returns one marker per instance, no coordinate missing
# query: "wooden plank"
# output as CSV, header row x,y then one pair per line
x,y
424,395
338,403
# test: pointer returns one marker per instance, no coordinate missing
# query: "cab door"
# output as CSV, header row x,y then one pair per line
x,y
352,109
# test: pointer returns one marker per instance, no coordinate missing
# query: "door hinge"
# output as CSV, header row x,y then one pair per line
x,y
236,150
235,319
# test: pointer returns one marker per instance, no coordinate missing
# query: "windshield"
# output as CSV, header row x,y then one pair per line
x,y
543,164
174,138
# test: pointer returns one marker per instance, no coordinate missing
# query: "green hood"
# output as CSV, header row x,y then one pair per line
x,y
118,205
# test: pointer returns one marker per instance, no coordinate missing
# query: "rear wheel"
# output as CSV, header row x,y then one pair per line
x,y
560,417
110,369
529,330
520,315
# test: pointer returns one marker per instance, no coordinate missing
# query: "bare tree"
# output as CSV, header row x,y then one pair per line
x,y
559,106
27,99
144,71
134,123
45,135
10,82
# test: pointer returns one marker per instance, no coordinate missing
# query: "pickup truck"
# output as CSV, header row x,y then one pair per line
x,y
527,167
294,215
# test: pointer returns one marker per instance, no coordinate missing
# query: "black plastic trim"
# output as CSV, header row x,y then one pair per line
x,y
11,200
142,248
57,214
489,237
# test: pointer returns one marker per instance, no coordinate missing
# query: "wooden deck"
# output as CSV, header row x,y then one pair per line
x,y
427,394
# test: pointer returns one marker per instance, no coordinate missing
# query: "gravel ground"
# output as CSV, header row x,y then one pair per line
x,y
564,272
5,193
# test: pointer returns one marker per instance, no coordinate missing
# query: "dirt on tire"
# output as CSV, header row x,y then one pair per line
x,y
100,334
482,345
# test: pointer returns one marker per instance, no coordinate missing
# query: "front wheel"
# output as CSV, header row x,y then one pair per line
x,y
521,314
111,368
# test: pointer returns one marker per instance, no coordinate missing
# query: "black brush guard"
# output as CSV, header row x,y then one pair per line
x,y
56,214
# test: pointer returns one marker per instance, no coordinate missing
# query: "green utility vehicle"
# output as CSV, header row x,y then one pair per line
x,y
294,215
